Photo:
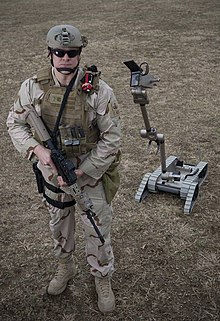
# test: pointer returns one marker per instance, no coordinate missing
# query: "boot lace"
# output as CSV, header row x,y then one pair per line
x,y
104,286
60,272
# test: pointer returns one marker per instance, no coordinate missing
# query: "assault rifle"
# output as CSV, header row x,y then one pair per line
x,y
65,168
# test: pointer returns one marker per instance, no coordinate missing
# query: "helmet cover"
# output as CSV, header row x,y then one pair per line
x,y
65,36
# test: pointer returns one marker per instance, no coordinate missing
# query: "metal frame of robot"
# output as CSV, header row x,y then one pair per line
x,y
173,176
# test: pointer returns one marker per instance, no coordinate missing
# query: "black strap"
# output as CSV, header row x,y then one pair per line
x,y
62,106
53,188
58,204
41,183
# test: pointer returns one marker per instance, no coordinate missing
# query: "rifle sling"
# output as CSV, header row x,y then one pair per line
x,y
62,106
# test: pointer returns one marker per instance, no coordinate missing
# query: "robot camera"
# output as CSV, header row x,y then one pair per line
x,y
140,76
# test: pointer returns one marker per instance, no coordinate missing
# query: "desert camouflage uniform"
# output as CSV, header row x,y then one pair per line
x,y
103,107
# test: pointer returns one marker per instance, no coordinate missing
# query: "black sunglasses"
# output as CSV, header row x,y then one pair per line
x,y
61,53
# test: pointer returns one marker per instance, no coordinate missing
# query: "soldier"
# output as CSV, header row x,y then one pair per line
x,y
88,132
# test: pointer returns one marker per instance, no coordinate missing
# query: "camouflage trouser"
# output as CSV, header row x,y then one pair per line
x,y
62,225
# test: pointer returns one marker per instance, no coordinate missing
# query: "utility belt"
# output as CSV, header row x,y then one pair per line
x,y
41,184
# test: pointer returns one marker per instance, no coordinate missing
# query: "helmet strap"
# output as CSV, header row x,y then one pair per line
x,y
67,71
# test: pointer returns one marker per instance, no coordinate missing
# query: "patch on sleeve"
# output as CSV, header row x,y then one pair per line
x,y
112,108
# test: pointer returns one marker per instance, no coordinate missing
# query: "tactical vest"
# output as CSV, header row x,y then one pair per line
x,y
76,134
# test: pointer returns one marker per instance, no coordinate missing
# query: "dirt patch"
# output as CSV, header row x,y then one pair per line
x,y
167,263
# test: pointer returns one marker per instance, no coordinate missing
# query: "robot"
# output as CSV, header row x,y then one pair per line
x,y
173,175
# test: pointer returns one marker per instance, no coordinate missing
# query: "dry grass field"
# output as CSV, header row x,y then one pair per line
x,y
167,263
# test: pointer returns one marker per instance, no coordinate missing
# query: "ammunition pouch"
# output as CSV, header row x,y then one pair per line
x,y
41,184
111,179
74,140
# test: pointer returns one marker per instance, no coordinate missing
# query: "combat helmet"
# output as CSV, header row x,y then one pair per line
x,y
61,36
65,36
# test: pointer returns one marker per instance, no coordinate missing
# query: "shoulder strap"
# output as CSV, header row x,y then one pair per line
x,y
45,78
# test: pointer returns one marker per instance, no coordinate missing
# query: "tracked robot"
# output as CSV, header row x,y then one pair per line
x,y
173,175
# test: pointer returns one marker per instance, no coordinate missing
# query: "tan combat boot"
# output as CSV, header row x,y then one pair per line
x,y
106,298
66,270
